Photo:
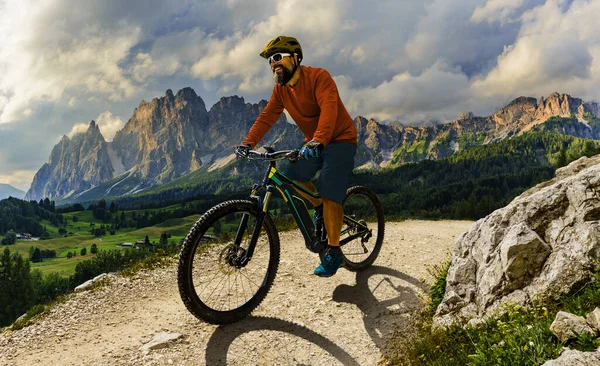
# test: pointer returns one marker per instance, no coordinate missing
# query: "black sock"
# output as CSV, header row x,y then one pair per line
x,y
334,248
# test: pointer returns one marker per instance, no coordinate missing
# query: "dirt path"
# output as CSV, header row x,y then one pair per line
x,y
346,319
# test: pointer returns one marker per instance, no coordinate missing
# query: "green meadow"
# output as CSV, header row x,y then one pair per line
x,y
78,236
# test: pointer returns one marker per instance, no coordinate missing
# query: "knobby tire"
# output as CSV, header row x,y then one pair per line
x,y
187,289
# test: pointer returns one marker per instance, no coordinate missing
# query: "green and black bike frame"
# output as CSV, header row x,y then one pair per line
x,y
275,180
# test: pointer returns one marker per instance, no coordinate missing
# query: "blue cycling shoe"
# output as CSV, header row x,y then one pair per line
x,y
331,261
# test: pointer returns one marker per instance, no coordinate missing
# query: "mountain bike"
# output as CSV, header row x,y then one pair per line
x,y
229,259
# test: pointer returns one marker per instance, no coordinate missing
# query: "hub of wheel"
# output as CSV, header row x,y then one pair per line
x,y
232,258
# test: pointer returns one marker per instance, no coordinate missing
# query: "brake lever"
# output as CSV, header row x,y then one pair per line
x,y
292,156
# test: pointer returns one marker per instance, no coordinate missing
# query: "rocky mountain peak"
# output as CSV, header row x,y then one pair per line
x,y
465,116
360,122
518,112
75,164
589,107
523,102
93,132
232,102
161,137
186,93
524,113
557,105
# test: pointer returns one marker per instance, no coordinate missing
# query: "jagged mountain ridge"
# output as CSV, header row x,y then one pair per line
x,y
175,135
164,139
396,144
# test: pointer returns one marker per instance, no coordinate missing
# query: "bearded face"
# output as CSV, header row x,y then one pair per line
x,y
283,70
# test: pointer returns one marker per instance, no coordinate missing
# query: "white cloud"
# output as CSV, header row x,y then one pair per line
x,y
402,97
170,54
20,179
77,129
558,49
496,11
357,54
108,124
43,58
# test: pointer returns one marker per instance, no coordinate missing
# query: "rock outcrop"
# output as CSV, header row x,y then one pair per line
x,y
562,106
75,164
570,326
539,245
378,141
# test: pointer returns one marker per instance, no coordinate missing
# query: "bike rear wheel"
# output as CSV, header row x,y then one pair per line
x,y
213,286
362,205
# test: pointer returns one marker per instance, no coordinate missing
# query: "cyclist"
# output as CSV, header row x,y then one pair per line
x,y
311,98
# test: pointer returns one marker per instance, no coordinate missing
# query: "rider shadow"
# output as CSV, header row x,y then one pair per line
x,y
382,316
379,316
219,344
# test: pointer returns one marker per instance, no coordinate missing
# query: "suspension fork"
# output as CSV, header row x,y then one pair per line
x,y
262,213
244,222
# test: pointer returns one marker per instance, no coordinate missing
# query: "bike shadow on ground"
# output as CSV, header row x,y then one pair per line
x,y
387,299
220,343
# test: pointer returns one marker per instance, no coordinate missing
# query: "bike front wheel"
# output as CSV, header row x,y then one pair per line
x,y
214,285
362,209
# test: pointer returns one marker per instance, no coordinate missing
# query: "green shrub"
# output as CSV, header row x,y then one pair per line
x,y
31,313
438,289
520,336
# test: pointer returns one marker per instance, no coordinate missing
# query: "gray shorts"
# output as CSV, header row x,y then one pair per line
x,y
335,163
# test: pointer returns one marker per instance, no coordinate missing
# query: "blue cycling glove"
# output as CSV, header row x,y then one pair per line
x,y
311,149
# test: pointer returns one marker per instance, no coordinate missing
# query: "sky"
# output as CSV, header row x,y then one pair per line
x,y
65,63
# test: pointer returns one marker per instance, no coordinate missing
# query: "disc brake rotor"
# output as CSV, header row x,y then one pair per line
x,y
226,259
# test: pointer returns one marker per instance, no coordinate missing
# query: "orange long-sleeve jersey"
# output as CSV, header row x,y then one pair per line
x,y
314,104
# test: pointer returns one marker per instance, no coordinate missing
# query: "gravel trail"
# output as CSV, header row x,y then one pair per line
x,y
304,320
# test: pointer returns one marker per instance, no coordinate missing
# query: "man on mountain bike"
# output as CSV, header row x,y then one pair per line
x,y
311,98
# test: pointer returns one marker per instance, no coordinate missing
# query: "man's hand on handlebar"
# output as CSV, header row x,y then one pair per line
x,y
242,151
311,149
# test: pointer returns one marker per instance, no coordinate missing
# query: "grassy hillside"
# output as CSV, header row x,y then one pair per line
x,y
78,236
474,182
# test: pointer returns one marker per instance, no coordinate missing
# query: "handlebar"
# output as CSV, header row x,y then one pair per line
x,y
291,155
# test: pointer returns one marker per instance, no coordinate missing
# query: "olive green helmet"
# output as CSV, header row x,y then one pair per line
x,y
282,44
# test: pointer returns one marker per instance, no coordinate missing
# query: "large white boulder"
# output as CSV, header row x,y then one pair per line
x,y
540,244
